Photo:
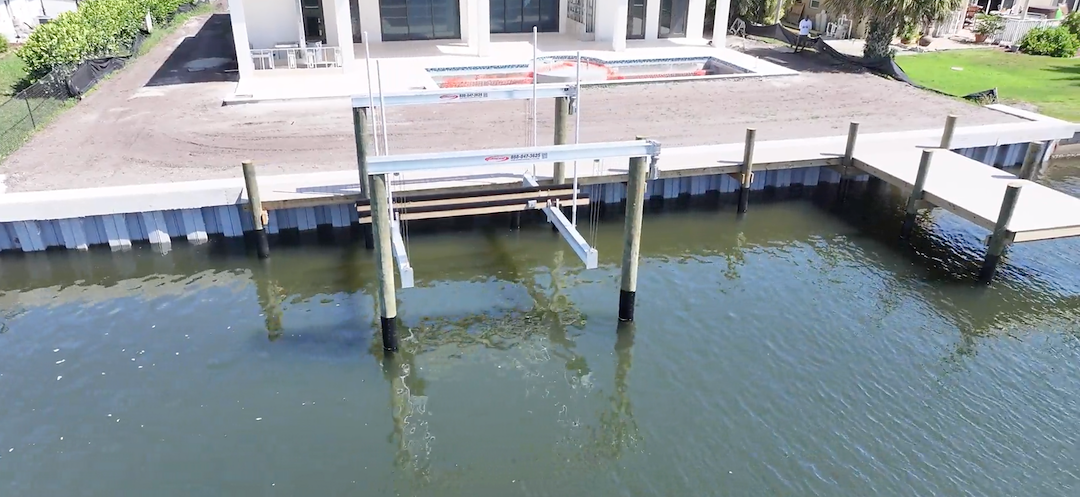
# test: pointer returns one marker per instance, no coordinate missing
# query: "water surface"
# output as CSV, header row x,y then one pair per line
x,y
798,351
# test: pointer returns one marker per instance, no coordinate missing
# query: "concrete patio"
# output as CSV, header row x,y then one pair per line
x,y
403,64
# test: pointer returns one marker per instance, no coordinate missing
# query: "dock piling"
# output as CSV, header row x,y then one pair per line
x,y
384,260
916,194
747,174
562,134
947,134
849,155
1031,160
258,215
635,206
364,138
1000,238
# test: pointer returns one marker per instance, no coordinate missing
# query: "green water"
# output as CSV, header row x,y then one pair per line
x,y
798,351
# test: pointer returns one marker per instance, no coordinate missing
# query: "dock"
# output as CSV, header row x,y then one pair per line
x,y
442,184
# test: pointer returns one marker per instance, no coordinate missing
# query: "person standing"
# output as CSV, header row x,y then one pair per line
x,y
804,33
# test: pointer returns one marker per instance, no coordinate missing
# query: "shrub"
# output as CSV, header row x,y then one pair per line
x,y
988,24
3,45
97,28
1055,42
1072,23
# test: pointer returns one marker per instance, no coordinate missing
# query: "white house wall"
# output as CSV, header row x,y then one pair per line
x,y
270,22
19,17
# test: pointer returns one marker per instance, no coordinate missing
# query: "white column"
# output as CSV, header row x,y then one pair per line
x,y
370,20
246,67
343,20
618,38
483,26
652,19
695,20
720,26
466,13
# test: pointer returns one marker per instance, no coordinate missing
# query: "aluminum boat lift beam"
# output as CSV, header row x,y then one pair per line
x,y
478,94
390,164
569,232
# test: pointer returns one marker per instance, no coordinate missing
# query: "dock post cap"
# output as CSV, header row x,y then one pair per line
x,y
247,162
1016,184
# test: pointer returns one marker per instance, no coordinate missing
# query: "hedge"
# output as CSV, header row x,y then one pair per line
x,y
97,28
1054,42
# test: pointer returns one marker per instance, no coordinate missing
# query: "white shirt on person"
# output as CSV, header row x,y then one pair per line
x,y
804,27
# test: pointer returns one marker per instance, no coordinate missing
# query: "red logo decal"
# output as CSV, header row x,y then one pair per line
x,y
497,158
448,97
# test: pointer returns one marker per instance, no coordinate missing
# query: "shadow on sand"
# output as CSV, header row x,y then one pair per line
x,y
207,57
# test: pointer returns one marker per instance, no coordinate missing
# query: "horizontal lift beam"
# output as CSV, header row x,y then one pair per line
x,y
389,164
479,94
569,232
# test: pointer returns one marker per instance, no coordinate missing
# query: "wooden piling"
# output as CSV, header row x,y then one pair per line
x,y
562,134
747,173
947,134
384,261
1031,160
916,194
364,138
635,207
258,215
849,157
1000,238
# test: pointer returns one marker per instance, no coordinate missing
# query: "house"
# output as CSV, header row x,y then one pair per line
x,y
19,17
328,33
857,28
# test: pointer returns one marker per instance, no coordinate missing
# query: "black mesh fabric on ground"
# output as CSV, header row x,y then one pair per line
x,y
884,67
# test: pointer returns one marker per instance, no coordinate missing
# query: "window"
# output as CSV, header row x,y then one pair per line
x,y
420,19
815,4
635,20
673,14
519,16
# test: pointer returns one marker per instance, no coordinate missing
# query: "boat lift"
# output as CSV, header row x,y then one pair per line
x,y
387,165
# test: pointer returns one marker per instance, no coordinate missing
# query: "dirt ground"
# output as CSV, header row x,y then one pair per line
x,y
161,119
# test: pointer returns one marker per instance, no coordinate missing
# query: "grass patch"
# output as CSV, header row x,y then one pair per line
x,y
12,72
1051,84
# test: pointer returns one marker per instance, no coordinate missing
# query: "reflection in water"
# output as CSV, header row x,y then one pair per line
x,y
408,408
809,349
618,431
270,296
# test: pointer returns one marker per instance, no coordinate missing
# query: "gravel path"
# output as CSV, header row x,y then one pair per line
x,y
161,119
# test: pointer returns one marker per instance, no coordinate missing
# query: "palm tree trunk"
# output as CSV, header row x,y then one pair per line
x,y
878,39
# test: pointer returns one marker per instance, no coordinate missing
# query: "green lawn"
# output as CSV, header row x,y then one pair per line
x,y
12,70
1051,84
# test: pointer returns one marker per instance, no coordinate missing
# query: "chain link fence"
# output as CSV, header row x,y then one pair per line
x,y
36,105
31,108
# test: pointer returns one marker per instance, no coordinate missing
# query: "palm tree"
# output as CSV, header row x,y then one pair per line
x,y
888,16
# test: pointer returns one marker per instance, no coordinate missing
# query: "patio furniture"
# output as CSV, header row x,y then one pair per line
x,y
290,49
262,58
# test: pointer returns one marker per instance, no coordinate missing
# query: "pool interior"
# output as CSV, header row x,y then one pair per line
x,y
592,70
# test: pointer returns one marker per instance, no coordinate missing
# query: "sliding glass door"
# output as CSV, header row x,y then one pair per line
x,y
314,25
420,19
673,15
635,20
519,16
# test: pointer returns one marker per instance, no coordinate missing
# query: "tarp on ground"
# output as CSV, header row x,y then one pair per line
x,y
885,66
89,72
